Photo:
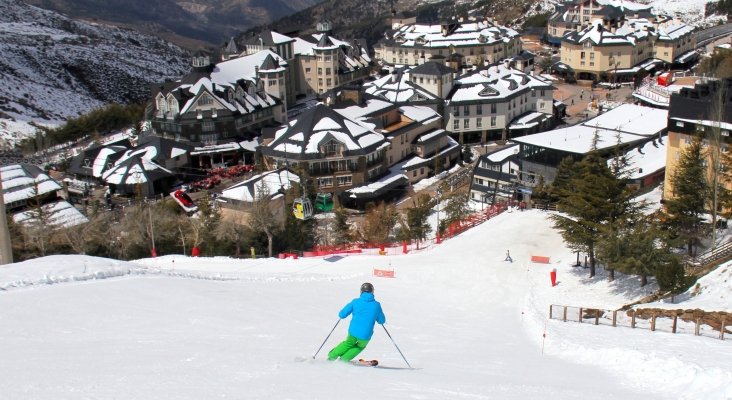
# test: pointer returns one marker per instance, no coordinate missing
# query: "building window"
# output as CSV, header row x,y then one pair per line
x,y
479,123
466,110
307,70
331,149
344,180
455,124
325,182
208,126
479,109
327,71
493,121
457,111
493,108
328,82
466,123
320,71
205,100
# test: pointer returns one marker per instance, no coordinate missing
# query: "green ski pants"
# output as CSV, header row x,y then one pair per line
x,y
348,349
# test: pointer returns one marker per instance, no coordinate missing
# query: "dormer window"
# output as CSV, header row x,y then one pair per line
x,y
162,105
205,100
488,91
332,149
172,105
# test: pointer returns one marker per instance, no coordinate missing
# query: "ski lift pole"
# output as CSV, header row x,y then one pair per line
x,y
397,347
326,338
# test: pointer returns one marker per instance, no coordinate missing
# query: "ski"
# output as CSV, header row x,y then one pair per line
x,y
365,363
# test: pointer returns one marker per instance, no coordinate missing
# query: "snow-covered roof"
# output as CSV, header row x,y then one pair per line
x,y
645,160
301,138
136,166
501,155
61,214
493,84
416,161
674,31
632,118
230,71
371,107
627,123
421,114
398,88
251,189
528,120
217,148
578,139
457,35
25,181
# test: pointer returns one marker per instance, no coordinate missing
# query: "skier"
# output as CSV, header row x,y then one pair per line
x,y
366,312
508,257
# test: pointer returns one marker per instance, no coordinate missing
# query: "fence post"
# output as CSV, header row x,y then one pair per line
x,y
673,328
653,322
580,315
615,318
632,320
597,316
721,329
551,308
696,328
565,314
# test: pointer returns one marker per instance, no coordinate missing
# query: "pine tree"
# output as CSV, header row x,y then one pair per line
x,y
622,218
417,216
584,200
690,192
565,172
341,228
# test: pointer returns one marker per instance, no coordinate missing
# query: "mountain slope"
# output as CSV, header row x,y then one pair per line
x,y
187,23
54,67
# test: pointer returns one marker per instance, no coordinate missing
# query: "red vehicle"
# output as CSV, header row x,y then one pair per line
x,y
184,200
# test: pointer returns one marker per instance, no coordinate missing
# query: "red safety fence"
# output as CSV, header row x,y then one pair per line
x,y
397,248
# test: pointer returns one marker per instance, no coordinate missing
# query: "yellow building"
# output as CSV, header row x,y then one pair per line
x,y
693,113
476,43
597,52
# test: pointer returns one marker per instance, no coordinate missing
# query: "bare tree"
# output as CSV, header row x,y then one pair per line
x,y
262,218
378,224
38,227
233,228
87,236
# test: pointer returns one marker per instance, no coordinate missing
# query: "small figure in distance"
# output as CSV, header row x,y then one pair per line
x,y
508,257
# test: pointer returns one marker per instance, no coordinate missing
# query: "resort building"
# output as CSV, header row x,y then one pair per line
x,y
474,42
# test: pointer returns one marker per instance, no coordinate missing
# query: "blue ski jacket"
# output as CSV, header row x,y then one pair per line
x,y
366,311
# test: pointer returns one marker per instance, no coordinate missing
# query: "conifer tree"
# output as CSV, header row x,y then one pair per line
x,y
417,216
341,228
585,206
690,192
622,219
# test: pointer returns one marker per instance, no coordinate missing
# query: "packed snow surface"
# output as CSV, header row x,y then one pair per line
x,y
473,325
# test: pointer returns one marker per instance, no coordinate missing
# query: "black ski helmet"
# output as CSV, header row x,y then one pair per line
x,y
367,287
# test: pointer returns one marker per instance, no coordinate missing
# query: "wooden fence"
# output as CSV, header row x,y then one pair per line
x,y
696,322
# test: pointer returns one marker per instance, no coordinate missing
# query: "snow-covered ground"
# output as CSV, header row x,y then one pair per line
x,y
471,324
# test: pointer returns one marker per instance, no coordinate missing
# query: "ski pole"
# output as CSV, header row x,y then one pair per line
x,y
326,338
397,347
